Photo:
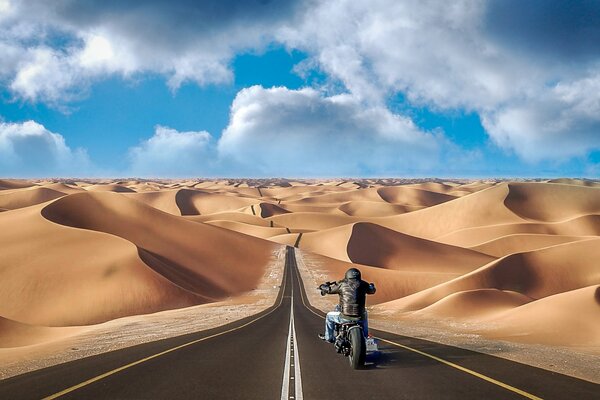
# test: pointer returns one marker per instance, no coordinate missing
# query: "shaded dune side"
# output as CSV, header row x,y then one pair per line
x,y
213,255
375,209
194,202
269,210
412,196
370,244
163,200
552,203
55,275
536,274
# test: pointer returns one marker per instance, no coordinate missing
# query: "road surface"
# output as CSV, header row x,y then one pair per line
x,y
276,355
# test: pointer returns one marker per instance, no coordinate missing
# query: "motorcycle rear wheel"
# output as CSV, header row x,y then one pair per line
x,y
358,348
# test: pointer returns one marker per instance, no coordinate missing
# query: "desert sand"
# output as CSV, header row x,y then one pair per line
x,y
509,260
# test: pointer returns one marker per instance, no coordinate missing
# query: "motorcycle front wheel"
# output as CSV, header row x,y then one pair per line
x,y
358,348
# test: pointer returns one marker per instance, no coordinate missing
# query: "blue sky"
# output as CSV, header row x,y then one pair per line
x,y
299,89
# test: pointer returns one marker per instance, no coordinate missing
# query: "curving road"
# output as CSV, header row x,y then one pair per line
x,y
276,355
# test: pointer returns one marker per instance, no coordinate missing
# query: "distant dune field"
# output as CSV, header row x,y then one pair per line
x,y
520,258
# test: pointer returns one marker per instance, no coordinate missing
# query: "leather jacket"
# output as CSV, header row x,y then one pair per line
x,y
352,294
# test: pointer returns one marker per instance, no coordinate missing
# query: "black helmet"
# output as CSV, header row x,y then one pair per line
x,y
353,273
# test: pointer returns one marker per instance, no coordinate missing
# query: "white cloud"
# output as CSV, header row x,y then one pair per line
x,y
563,122
169,153
59,48
29,149
302,132
502,60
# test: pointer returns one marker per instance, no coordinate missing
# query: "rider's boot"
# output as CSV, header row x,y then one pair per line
x,y
322,337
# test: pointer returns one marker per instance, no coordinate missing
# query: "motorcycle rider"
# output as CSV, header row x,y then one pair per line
x,y
352,291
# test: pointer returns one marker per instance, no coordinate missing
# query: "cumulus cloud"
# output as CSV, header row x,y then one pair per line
x,y
563,122
169,153
28,149
500,59
58,48
302,132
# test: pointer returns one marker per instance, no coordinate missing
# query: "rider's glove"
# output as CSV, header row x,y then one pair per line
x,y
324,289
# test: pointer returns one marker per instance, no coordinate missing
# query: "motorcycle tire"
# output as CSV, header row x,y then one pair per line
x,y
358,348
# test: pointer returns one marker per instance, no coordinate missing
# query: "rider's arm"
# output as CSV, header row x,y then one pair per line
x,y
334,288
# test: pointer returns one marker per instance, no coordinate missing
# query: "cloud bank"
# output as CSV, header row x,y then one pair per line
x,y
29,149
302,132
169,153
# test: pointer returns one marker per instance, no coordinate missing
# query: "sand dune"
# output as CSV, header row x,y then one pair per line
x,y
473,304
195,202
568,318
168,239
57,276
27,197
519,243
412,196
482,208
375,209
312,221
578,182
110,188
127,258
587,225
371,244
552,203
7,184
16,334
536,274
269,210
236,216
247,229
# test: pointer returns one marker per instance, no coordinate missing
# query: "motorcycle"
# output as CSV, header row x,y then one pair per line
x,y
350,340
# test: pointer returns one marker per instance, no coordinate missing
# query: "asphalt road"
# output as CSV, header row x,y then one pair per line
x,y
277,355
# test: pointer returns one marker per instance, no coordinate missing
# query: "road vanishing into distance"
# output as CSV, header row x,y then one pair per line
x,y
276,355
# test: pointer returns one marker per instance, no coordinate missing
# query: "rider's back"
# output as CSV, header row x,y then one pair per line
x,y
353,293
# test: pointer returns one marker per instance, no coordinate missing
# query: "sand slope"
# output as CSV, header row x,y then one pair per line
x,y
127,258
536,274
27,197
568,318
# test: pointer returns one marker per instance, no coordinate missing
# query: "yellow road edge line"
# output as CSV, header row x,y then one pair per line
x,y
121,368
467,370
441,360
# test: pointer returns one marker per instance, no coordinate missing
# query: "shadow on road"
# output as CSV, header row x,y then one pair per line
x,y
390,357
